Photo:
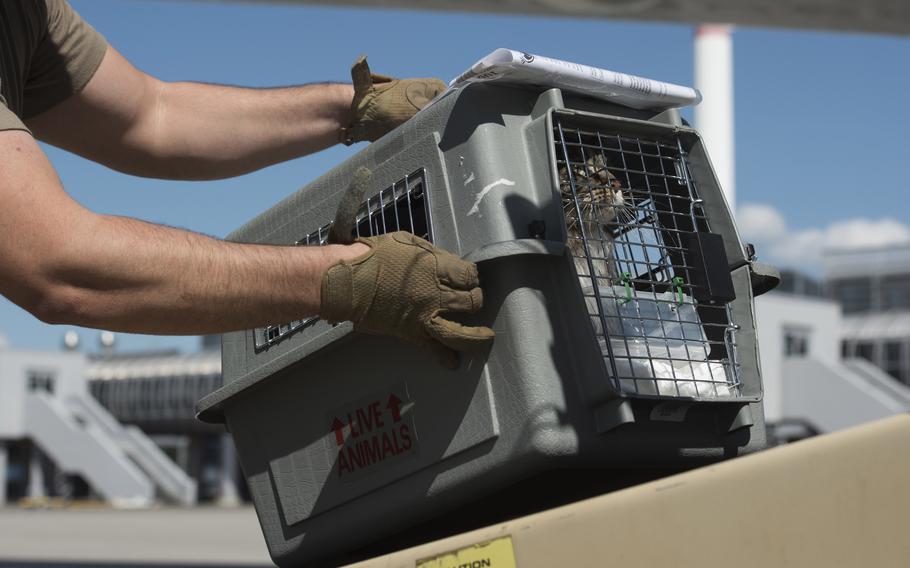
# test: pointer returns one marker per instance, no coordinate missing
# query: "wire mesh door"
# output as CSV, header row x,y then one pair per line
x,y
400,207
647,264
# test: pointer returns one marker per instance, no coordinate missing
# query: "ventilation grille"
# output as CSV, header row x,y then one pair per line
x,y
654,278
399,207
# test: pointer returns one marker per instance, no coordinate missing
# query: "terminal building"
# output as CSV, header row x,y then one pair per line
x,y
113,426
873,288
834,353
120,426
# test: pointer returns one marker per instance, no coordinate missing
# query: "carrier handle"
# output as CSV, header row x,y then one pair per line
x,y
515,247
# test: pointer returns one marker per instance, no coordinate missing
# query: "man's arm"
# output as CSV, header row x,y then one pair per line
x,y
139,125
67,265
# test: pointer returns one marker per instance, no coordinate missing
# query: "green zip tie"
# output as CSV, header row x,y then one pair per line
x,y
627,282
678,282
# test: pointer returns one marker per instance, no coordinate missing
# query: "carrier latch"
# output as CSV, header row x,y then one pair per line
x,y
711,279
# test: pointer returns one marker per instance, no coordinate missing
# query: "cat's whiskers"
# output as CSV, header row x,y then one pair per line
x,y
594,206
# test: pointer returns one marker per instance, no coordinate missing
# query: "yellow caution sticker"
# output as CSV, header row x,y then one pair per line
x,y
492,554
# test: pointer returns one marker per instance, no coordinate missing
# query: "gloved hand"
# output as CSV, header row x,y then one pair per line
x,y
400,288
381,103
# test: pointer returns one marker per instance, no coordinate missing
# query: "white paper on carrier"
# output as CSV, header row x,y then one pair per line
x,y
517,67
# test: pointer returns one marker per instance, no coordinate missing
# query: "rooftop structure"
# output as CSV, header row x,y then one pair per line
x,y
873,288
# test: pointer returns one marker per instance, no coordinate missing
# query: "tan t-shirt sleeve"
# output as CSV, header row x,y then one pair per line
x,y
65,60
8,119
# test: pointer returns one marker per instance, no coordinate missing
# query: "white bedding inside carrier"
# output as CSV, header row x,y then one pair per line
x,y
659,346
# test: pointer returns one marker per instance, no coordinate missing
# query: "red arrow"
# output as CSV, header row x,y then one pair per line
x,y
394,406
337,427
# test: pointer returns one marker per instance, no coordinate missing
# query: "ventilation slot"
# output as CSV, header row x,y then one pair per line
x,y
400,207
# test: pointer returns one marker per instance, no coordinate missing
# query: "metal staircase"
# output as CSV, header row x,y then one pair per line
x,y
44,398
821,391
171,481
82,447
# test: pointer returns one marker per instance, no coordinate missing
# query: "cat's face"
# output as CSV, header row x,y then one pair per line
x,y
598,192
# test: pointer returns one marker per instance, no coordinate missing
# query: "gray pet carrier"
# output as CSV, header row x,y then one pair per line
x,y
619,290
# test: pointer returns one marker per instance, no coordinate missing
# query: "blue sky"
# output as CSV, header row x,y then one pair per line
x,y
821,126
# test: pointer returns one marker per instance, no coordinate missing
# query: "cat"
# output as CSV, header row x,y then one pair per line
x,y
603,208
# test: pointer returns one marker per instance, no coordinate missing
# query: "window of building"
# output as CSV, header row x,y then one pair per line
x,y
896,292
865,350
854,295
894,361
799,284
796,341
40,379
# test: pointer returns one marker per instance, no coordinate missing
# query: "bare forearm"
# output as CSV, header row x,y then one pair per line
x,y
135,123
136,277
210,131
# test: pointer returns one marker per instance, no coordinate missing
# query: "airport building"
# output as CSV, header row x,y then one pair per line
x,y
835,353
873,288
113,426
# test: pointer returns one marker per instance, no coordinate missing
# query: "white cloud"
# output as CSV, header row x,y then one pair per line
x,y
761,221
765,226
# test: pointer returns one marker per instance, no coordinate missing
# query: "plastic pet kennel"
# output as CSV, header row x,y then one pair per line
x,y
613,275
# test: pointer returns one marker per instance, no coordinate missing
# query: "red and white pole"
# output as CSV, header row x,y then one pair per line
x,y
714,116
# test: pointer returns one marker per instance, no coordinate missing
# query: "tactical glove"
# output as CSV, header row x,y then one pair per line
x,y
401,287
381,103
